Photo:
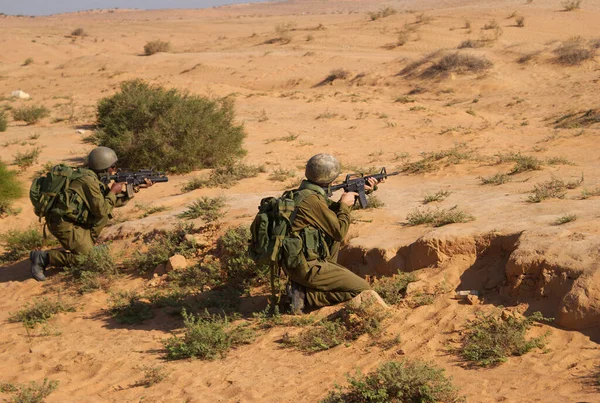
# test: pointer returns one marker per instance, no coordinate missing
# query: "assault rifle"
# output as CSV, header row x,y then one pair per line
x,y
356,183
134,179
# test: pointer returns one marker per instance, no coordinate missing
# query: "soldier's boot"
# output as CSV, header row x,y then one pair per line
x,y
39,261
298,296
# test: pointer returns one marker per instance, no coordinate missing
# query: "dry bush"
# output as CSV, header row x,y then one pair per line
x,y
471,44
156,46
493,24
578,119
79,32
283,33
336,74
520,20
573,52
459,63
527,57
423,18
383,13
570,5
402,38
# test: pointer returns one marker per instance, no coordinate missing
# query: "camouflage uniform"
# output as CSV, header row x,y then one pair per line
x,y
322,225
79,238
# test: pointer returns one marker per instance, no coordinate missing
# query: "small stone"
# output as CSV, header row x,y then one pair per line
x,y
20,94
82,132
160,270
365,297
473,299
176,262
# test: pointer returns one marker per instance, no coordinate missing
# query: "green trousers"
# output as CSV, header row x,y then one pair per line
x,y
328,283
74,238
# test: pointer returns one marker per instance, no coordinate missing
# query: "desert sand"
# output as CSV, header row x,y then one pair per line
x,y
511,252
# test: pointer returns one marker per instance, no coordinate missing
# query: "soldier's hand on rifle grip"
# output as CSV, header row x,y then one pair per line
x,y
348,198
372,184
147,183
117,187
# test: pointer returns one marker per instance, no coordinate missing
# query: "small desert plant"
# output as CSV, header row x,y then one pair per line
x,y
490,339
423,18
30,114
383,13
458,63
79,32
28,61
282,174
552,189
570,5
567,218
26,159
471,43
404,99
210,209
497,179
152,375
438,217
336,74
431,161
402,38
235,262
393,381
523,163
374,202
127,307
40,311
437,196
322,336
156,46
206,338
30,393
393,289
3,121
493,24
18,243
224,177
169,130
152,210
10,189
93,270
162,246
573,52
283,33
520,21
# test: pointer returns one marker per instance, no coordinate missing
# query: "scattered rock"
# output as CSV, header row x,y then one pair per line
x,y
20,94
366,297
473,299
82,132
160,270
176,262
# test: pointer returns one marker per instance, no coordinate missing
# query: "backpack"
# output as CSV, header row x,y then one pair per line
x,y
50,194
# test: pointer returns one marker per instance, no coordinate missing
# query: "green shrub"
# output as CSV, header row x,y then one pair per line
x,y
163,245
281,174
94,270
437,196
323,336
404,381
393,289
152,375
552,189
157,46
152,126
210,209
30,114
18,243
567,218
232,250
3,121
497,179
28,158
40,311
490,339
205,338
31,393
438,217
10,189
224,177
127,307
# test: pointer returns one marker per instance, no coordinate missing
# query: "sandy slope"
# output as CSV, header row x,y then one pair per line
x,y
222,51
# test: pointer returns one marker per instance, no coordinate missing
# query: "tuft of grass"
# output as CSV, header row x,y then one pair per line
x,y
382,13
405,99
153,210
206,338
282,174
30,114
157,46
490,339
567,218
573,52
398,381
168,129
571,5
283,32
26,159
471,44
558,161
10,189
127,307
320,337
438,217
436,197
3,121
79,32
210,209
523,163
93,270
393,289
225,176
30,393
586,193
431,161
497,179
152,375
492,24
458,63
552,189
28,61
18,243
579,119
40,311
520,21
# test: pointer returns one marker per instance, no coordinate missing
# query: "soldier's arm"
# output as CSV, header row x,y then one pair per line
x,y
334,223
100,205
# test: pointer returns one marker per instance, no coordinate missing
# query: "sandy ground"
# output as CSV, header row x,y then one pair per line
x,y
223,51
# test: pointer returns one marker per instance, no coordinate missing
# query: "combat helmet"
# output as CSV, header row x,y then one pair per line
x,y
101,158
322,169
